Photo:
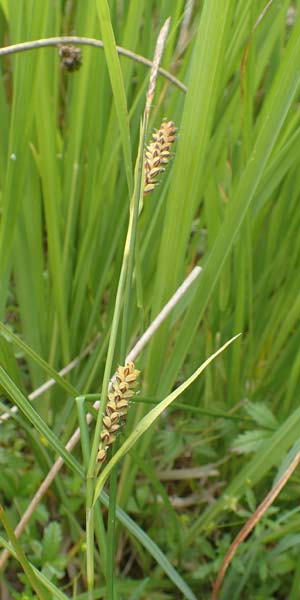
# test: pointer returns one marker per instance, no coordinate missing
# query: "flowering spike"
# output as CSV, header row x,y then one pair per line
x,y
158,154
117,407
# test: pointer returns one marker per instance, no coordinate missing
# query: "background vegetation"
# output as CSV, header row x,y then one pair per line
x,y
229,201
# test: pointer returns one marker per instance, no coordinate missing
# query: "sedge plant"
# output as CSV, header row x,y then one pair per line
x,y
88,262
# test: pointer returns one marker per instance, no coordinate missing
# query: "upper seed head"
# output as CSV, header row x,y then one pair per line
x,y
158,153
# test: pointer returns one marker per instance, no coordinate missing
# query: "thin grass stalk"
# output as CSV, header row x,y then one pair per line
x,y
85,446
145,170
84,437
111,538
108,369
138,198
135,206
134,214
134,209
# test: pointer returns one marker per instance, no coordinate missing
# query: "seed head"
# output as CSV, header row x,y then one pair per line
x,y
70,57
117,407
158,154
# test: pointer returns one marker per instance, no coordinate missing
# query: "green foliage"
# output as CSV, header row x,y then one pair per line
x,y
229,202
250,441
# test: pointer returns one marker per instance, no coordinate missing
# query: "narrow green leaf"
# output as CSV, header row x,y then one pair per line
x,y
40,361
30,413
117,83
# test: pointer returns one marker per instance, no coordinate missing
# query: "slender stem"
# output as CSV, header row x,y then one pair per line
x,y
128,264
92,468
111,538
137,196
55,41
90,537
136,203
92,464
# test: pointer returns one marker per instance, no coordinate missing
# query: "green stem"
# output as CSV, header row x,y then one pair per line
x,y
92,464
90,538
92,467
136,201
111,539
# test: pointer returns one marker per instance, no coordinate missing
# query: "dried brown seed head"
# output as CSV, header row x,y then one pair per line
x,y
70,57
117,407
158,154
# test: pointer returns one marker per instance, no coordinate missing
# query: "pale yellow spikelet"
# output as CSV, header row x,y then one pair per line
x,y
117,407
158,154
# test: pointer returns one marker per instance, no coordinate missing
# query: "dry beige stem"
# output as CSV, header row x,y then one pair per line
x,y
254,519
159,48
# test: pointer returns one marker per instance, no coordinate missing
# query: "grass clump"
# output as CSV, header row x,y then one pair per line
x,y
161,508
